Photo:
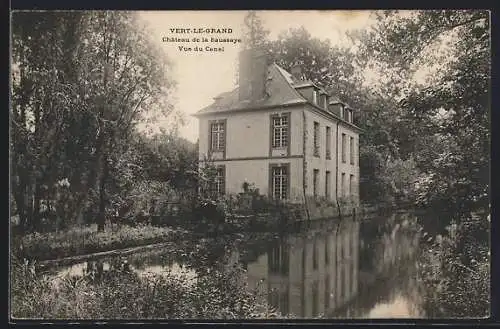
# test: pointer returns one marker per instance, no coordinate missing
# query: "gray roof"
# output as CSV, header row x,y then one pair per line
x,y
280,88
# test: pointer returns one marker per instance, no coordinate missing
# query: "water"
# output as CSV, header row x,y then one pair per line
x,y
351,269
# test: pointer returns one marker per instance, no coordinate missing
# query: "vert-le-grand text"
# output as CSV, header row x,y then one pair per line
x,y
201,40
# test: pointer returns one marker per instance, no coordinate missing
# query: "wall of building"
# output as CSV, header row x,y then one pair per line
x,y
257,172
247,155
322,163
248,133
347,167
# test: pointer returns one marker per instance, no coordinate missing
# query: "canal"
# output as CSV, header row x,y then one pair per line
x,y
364,268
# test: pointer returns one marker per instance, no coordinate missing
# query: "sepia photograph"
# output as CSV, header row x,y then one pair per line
x,y
252,164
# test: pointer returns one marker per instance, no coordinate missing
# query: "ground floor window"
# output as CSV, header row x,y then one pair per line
x,y
351,185
218,187
315,182
327,184
280,178
343,185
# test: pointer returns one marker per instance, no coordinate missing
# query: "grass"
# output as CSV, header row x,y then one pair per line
x,y
125,295
85,240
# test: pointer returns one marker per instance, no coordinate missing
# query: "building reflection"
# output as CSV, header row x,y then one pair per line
x,y
309,275
319,272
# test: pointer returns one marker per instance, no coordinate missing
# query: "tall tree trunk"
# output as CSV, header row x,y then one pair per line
x,y
36,206
101,218
28,201
19,199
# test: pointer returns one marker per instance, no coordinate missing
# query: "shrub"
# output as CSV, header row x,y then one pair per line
x,y
455,272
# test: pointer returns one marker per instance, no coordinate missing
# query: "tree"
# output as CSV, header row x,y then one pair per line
x,y
254,33
41,113
76,101
447,115
133,81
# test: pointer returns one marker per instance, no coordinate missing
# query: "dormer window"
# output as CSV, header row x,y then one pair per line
x,y
315,97
325,102
348,115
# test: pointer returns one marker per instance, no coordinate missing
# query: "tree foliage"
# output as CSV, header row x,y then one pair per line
x,y
446,117
75,102
254,33
424,138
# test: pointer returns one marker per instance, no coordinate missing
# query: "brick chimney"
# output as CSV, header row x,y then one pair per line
x,y
252,74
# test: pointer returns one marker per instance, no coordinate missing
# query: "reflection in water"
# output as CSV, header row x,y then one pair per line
x,y
398,308
97,268
337,270
320,273
310,275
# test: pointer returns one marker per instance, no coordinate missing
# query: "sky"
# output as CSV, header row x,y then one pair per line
x,y
200,76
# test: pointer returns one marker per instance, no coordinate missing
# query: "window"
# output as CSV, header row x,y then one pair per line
x,y
325,101
343,183
344,146
342,112
218,186
351,185
316,139
328,142
217,135
351,149
315,97
357,152
279,176
327,184
315,182
280,128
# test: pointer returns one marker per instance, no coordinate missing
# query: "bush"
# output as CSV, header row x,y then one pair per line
x,y
455,271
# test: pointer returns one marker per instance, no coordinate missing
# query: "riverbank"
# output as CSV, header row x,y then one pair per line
x,y
86,240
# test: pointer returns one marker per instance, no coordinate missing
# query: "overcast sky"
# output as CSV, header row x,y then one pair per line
x,y
200,76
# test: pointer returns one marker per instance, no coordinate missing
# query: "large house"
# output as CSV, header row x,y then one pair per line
x,y
282,133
